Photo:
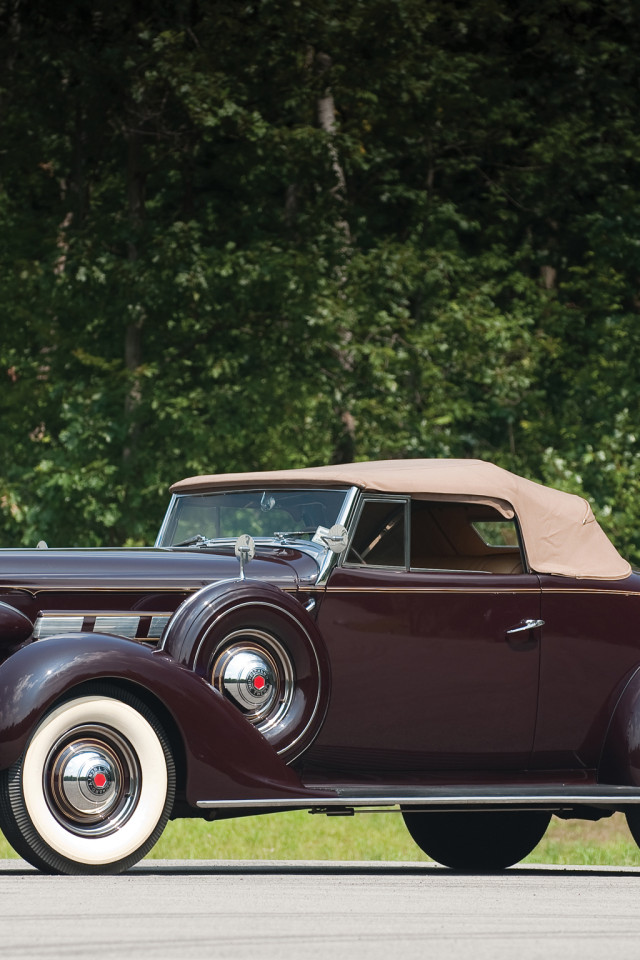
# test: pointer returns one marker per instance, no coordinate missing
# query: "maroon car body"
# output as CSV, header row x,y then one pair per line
x,y
454,644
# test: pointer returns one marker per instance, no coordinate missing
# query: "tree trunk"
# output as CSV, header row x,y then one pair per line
x,y
345,444
327,122
133,333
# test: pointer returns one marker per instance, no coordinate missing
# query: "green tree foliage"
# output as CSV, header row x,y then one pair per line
x,y
274,233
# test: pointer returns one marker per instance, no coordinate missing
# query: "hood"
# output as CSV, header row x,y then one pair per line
x,y
154,569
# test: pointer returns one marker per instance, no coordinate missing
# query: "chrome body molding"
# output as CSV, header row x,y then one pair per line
x,y
525,626
157,625
139,626
124,626
49,625
591,591
406,589
605,796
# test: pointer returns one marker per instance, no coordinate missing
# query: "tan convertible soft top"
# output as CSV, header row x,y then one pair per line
x,y
560,532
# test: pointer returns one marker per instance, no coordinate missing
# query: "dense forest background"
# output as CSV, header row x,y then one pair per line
x,y
268,233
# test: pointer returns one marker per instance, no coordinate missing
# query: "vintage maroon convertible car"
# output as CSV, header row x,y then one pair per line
x,y
438,638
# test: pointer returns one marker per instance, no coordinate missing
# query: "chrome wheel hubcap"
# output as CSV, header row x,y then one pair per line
x,y
248,677
92,781
255,672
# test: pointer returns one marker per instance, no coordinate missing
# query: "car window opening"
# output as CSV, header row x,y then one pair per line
x,y
464,537
379,539
444,536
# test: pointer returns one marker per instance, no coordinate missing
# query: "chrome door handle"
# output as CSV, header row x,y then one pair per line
x,y
525,625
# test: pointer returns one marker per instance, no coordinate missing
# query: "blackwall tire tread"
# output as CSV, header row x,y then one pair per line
x,y
477,841
633,822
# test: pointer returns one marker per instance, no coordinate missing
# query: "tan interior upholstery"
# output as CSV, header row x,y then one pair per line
x,y
443,538
506,563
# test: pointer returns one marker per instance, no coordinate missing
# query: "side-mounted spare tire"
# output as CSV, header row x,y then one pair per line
x,y
261,650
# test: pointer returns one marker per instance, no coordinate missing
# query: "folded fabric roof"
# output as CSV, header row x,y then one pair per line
x,y
560,532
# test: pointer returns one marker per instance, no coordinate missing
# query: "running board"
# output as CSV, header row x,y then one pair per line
x,y
608,796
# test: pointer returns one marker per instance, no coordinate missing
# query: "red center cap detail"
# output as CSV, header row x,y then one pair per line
x,y
100,780
259,682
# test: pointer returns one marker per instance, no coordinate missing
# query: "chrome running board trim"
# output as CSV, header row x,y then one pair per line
x,y
598,795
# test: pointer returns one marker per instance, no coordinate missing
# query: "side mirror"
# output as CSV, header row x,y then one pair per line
x,y
336,538
245,550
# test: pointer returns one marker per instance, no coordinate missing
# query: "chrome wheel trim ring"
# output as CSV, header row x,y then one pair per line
x,y
279,664
92,781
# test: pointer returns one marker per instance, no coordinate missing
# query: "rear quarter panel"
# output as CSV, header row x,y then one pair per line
x,y
590,649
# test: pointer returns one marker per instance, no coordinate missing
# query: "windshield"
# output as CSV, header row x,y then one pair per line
x,y
194,518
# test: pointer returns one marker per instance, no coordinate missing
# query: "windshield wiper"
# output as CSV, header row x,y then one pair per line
x,y
287,534
197,539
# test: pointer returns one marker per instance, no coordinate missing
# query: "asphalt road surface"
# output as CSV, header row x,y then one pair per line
x,y
277,911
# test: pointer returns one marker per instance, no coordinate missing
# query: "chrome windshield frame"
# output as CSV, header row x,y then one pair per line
x,y
165,520
326,561
345,517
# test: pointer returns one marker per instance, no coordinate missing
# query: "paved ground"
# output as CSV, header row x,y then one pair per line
x,y
280,911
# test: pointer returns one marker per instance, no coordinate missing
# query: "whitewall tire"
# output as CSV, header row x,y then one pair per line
x,y
94,787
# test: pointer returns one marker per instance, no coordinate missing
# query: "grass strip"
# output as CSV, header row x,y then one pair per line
x,y
369,836
299,836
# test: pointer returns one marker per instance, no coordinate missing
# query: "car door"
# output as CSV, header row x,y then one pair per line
x,y
426,675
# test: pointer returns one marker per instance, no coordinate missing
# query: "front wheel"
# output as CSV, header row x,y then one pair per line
x,y
477,840
94,787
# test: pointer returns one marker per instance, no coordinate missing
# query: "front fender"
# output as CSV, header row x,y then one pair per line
x,y
15,629
226,758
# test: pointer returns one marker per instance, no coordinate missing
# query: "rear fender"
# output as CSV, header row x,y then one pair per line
x,y
620,762
226,757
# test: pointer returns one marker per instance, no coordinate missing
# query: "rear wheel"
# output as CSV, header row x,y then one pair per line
x,y
477,840
94,787
633,822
